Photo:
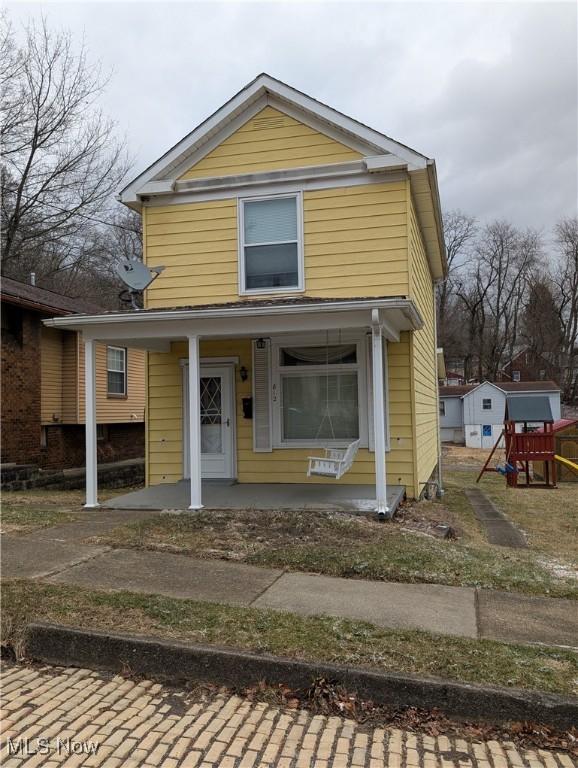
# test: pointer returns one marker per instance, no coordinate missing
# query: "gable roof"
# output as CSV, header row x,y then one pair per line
x,y
457,391
528,386
518,386
381,152
42,300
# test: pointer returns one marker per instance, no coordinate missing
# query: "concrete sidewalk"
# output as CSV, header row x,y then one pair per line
x,y
55,556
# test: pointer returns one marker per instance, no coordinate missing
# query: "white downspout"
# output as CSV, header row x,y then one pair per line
x,y
195,423
90,424
379,415
440,491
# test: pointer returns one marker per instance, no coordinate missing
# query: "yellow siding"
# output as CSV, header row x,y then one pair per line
x,y
111,410
197,244
70,344
423,355
165,423
51,376
355,241
355,244
270,141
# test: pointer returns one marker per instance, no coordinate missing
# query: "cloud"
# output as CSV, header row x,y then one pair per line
x,y
489,90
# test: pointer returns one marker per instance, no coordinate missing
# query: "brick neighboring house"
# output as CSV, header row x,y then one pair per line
x,y
43,385
528,366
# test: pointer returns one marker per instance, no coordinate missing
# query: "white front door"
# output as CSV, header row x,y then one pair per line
x,y
217,421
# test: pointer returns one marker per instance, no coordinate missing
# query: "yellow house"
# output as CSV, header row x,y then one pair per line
x,y
295,313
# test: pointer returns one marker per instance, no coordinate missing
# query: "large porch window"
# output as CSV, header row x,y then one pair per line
x,y
318,399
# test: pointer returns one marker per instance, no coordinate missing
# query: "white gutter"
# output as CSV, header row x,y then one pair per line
x,y
406,306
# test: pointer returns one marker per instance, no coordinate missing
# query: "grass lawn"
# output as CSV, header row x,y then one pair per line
x,y
26,511
548,516
339,544
312,638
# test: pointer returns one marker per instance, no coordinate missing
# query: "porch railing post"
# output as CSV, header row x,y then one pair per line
x,y
90,423
195,423
379,415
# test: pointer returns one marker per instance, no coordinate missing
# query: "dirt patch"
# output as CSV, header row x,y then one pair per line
x,y
459,455
241,534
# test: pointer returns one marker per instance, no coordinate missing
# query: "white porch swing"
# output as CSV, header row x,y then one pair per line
x,y
336,461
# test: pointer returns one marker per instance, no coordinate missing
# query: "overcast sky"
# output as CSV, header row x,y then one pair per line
x,y
488,90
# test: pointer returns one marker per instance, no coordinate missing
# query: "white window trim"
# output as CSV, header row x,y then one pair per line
x,y
300,287
318,340
125,355
516,375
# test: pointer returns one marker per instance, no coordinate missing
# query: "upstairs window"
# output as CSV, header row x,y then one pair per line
x,y
487,404
116,371
442,408
270,242
515,375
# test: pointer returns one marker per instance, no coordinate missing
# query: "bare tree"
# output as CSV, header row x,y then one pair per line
x,y
540,327
61,161
471,292
459,232
565,279
506,258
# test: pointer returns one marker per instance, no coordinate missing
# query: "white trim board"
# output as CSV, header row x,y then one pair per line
x,y
264,184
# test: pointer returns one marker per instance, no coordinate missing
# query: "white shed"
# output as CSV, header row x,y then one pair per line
x,y
452,412
484,407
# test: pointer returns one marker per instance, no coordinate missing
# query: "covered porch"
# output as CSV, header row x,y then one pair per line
x,y
290,496
241,348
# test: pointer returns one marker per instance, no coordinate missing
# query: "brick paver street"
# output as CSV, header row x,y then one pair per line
x,y
143,724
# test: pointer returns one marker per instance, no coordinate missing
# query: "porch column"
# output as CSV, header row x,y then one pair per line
x,y
90,423
379,418
195,422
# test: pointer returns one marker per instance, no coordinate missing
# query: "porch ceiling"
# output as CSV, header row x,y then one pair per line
x,y
154,329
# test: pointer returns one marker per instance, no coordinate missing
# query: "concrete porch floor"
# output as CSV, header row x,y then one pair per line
x,y
223,495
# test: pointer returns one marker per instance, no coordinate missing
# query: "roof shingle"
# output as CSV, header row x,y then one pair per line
x,y
44,301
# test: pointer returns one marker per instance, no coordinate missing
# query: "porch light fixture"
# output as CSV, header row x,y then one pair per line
x,y
243,373
260,343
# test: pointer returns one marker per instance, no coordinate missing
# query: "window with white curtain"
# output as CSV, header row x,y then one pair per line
x,y
319,393
270,244
116,370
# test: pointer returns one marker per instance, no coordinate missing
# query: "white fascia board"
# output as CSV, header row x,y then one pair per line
x,y
264,85
435,192
164,187
184,146
347,124
257,184
303,173
378,163
81,322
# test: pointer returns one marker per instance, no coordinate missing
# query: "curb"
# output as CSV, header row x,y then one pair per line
x,y
177,663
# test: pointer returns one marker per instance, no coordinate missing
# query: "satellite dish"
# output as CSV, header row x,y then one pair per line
x,y
136,276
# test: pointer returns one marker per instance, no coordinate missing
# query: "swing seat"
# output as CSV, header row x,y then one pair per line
x,y
335,463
